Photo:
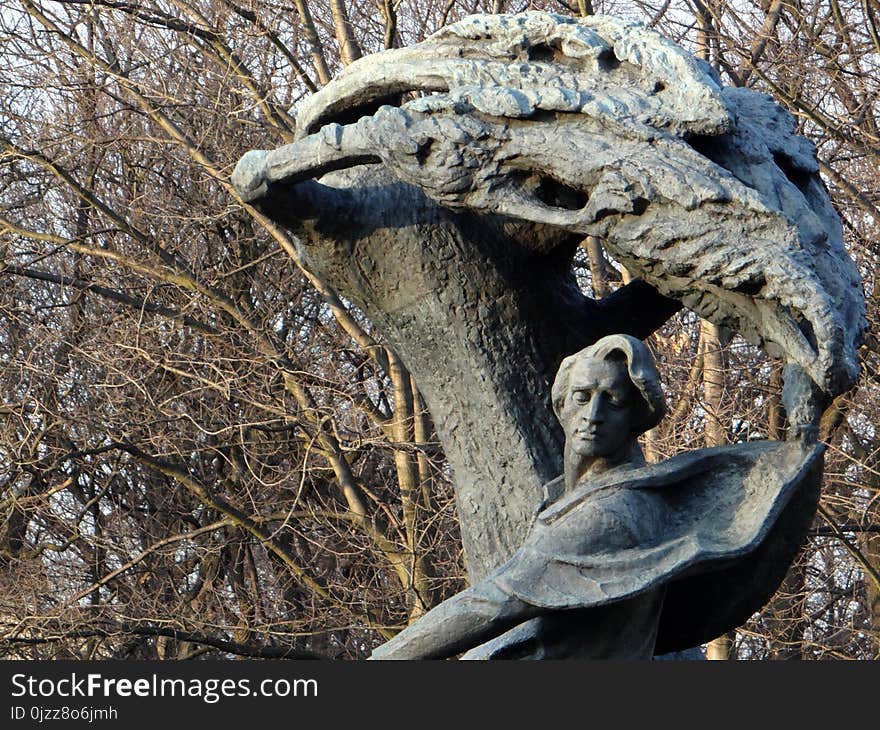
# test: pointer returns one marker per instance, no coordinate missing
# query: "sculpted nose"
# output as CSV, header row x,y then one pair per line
x,y
594,412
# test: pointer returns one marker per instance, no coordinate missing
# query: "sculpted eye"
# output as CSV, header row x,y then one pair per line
x,y
581,396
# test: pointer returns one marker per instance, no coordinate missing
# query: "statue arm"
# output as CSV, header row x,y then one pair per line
x,y
462,622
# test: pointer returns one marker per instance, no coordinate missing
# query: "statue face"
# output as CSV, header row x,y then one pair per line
x,y
600,408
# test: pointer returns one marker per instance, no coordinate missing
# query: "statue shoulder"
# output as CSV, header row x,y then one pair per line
x,y
551,491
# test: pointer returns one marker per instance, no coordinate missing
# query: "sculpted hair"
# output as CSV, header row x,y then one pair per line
x,y
642,372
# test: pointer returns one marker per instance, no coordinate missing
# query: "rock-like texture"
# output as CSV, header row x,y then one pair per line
x,y
451,215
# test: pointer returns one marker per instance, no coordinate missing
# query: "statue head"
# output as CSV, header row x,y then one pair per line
x,y
605,396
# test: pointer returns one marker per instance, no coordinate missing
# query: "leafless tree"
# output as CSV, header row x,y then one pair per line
x,y
205,451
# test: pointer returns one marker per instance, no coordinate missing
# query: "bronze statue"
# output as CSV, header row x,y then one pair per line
x,y
451,217
613,531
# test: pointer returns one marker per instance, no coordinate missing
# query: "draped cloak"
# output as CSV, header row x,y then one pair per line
x,y
718,527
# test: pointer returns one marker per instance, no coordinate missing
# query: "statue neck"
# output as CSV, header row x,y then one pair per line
x,y
579,468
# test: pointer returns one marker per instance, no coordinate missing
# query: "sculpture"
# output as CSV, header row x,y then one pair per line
x,y
615,531
451,219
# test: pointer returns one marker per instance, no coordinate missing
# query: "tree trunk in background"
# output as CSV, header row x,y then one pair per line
x,y
786,610
598,266
871,549
349,50
715,435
